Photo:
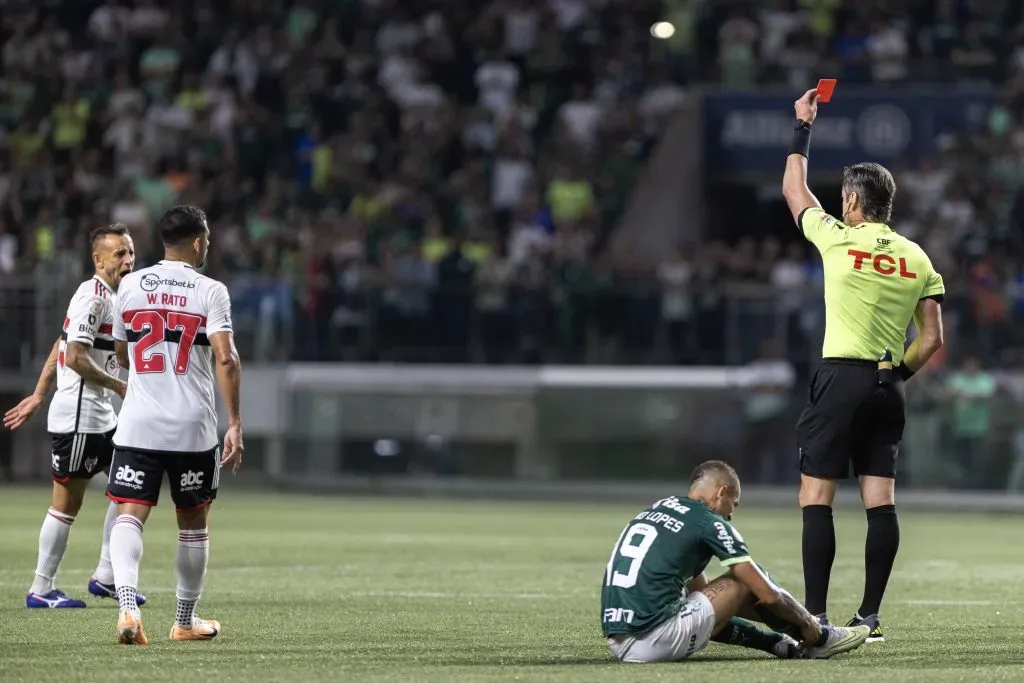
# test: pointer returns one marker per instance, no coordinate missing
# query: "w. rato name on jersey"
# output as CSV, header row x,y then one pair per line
x,y
77,406
166,313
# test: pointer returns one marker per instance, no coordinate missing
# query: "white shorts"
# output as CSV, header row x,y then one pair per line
x,y
688,631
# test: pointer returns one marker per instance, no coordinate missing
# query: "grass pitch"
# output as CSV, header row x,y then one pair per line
x,y
342,589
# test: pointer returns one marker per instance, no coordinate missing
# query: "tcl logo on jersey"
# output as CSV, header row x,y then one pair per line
x,y
150,281
882,263
126,475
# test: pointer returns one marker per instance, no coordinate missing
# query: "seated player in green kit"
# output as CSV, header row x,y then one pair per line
x,y
657,605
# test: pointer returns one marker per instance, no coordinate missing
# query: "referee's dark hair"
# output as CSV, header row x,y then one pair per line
x,y
97,234
182,223
874,187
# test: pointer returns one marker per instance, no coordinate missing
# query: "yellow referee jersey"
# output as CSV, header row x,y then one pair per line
x,y
874,278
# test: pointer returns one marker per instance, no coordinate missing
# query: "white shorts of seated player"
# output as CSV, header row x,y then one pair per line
x,y
688,631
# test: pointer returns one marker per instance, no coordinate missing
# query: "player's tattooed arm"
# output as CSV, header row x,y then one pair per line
x,y
121,351
792,612
49,372
776,603
698,583
714,589
78,359
29,406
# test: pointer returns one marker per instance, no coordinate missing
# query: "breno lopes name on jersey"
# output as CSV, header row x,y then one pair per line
x,y
670,522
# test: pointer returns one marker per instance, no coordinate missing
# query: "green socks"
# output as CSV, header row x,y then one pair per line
x,y
746,634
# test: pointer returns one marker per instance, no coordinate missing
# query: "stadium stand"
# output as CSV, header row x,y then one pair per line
x,y
443,181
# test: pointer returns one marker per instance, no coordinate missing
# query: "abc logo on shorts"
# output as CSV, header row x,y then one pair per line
x,y
131,478
190,481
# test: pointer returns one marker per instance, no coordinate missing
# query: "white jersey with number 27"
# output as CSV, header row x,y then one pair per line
x,y
166,314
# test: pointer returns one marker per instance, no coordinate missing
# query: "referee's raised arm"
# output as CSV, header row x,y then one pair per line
x,y
876,282
794,182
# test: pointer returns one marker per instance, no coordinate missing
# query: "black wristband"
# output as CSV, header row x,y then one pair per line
x,y
904,372
801,143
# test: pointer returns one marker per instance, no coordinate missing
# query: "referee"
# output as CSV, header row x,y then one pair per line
x,y
876,281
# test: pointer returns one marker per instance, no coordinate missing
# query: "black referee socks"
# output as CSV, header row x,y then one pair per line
x,y
880,548
819,550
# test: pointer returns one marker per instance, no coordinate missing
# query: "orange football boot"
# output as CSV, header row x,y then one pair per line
x,y
129,630
202,629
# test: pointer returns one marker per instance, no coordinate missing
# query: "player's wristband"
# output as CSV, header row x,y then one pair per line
x,y
904,372
801,143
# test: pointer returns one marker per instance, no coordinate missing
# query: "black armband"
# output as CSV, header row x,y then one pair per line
x,y
904,372
801,143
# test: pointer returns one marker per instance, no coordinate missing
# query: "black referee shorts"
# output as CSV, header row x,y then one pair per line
x,y
851,418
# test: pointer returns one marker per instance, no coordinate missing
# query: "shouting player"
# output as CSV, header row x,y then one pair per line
x,y
81,419
172,328
657,605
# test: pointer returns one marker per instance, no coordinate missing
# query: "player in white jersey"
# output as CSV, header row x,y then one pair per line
x,y
81,418
172,328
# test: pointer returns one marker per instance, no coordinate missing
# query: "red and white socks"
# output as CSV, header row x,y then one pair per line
x,y
193,554
125,556
104,570
53,541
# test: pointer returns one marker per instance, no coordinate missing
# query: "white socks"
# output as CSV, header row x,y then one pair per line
x,y
104,571
125,555
120,558
53,541
193,553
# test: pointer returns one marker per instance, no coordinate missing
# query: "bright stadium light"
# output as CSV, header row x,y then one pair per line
x,y
663,30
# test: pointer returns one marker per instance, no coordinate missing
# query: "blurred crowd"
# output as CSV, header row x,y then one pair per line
x,y
439,180
351,155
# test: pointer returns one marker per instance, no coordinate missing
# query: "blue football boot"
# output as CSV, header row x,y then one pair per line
x,y
55,599
108,590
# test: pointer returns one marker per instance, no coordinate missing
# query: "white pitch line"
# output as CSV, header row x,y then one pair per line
x,y
18,580
460,596
550,596
441,595
958,603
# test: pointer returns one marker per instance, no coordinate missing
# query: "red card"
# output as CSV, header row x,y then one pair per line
x,y
825,88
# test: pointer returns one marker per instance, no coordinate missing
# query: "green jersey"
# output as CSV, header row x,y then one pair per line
x,y
657,554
